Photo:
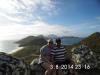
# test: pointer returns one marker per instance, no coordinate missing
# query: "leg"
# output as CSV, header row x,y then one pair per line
x,y
54,72
60,72
72,71
48,68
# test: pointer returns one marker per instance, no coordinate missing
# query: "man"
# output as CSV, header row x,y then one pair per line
x,y
45,56
58,54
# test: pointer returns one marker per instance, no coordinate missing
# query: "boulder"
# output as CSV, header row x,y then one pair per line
x,y
84,56
36,68
12,66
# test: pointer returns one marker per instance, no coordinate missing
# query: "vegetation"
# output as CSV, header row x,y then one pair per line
x,y
93,41
32,40
31,48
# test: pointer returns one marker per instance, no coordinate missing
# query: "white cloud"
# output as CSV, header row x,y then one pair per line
x,y
16,31
24,10
13,13
98,18
94,26
12,6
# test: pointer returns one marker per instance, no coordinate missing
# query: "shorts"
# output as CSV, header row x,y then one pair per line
x,y
59,63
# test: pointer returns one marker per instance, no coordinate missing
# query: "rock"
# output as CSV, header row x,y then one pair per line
x,y
36,68
85,56
12,66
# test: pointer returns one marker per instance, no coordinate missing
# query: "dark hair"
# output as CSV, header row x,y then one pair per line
x,y
58,40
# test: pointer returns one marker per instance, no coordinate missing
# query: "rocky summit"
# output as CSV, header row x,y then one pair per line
x,y
12,66
86,57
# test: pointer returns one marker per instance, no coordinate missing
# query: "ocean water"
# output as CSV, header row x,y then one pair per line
x,y
8,46
70,41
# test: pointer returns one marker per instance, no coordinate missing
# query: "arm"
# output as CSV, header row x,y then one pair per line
x,y
43,55
44,58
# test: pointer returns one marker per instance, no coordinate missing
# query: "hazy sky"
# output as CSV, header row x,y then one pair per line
x,y
20,18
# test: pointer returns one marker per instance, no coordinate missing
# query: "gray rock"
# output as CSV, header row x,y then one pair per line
x,y
36,68
85,56
12,66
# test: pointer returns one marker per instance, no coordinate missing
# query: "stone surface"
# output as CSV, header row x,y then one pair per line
x,y
12,66
36,68
85,56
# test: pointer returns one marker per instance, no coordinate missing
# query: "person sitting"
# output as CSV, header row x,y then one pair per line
x,y
45,56
59,56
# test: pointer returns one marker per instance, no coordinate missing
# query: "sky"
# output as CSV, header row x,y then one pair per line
x,y
21,18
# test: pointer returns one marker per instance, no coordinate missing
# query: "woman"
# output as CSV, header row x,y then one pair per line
x,y
45,56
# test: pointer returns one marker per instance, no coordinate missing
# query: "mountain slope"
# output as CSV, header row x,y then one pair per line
x,y
93,41
31,48
32,40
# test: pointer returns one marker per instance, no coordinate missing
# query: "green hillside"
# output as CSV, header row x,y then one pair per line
x,y
31,48
32,40
92,41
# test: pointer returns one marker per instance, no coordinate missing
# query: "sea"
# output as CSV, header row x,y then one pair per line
x,y
9,46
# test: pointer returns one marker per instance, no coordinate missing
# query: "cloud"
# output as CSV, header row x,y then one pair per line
x,y
22,11
13,31
85,29
98,18
20,18
95,26
15,6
